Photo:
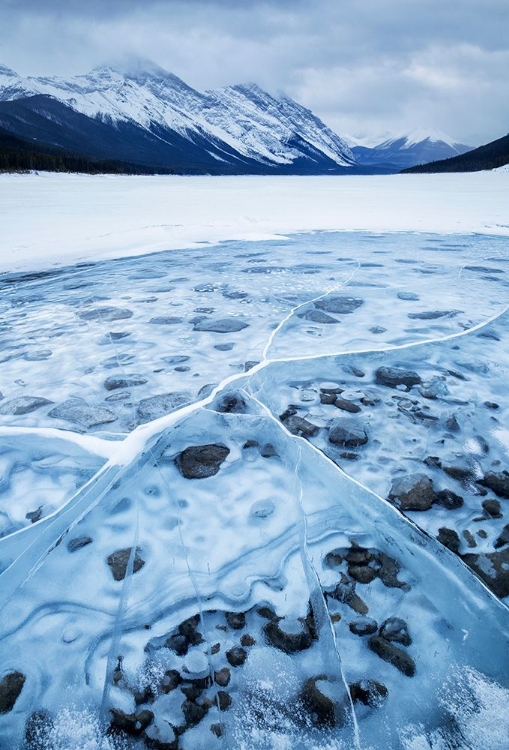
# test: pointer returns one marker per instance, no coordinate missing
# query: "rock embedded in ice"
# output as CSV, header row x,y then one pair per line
x,y
300,426
236,620
38,356
118,562
394,376
11,686
361,573
154,407
492,508
322,709
339,304
118,360
392,654
23,405
363,627
503,538
497,481
165,320
78,542
120,396
412,492
395,629
449,538
435,388
222,677
434,314
132,724
451,424
176,359
408,296
345,593
492,568
369,692
348,432
290,640
448,499
317,316
262,508
201,461
230,403
123,381
75,410
346,405
34,515
223,325
236,656
106,313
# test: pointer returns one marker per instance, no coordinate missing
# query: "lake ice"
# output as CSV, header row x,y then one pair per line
x,y
255,496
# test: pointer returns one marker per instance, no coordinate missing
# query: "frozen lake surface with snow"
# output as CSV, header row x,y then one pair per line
x,y
256,495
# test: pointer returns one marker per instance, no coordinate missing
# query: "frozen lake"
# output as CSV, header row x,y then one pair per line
x,y
255,495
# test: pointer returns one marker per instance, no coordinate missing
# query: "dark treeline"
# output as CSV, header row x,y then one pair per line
x,y
490,156
20,155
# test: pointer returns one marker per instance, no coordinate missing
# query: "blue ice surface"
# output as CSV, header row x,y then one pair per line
x,y
186,564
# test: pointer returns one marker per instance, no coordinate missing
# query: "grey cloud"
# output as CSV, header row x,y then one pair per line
x,y
360,64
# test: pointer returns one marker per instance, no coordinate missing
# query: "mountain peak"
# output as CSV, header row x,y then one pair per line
x,y
5,71
419,135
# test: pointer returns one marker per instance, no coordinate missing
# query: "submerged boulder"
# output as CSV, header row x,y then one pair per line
x,y
10,688
119,560
157,406
323,711
392,654
348,432
497,482
23,405
493,569
77,411
224,325
340,304
412,492
290,641
393,376
201,461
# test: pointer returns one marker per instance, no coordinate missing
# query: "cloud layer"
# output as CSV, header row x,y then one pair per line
x,y
365,66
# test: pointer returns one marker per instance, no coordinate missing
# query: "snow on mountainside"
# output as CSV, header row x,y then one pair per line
x,y
241,119
420,146
419,136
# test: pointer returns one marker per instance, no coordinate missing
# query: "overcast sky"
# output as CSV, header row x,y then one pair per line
x,y
364,66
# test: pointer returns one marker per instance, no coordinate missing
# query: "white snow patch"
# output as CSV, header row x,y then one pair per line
x,y
60,218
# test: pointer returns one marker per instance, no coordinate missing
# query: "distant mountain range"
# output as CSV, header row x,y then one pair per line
x,y
145,117
417,147
491,156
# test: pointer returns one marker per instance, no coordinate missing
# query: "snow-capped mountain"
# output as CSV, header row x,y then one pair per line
x,y
147,115
420,146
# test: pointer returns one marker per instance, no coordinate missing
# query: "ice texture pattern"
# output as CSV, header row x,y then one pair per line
x,y
255,496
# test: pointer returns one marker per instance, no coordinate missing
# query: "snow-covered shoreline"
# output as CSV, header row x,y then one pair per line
x,y
56,219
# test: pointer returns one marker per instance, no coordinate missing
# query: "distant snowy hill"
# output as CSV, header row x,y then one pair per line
x,y
493,155
149,116
420,146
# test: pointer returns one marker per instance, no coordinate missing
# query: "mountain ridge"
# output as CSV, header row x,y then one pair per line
x,y
140,113
242,123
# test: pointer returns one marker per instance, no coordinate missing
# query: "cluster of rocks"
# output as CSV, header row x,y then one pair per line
x,y
360,565
204,684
